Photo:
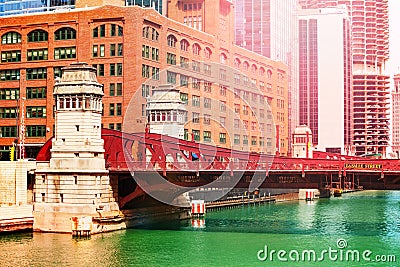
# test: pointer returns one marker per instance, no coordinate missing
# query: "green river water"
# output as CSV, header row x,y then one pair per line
x,y
357,229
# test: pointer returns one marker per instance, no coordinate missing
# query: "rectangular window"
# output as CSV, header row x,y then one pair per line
x,y
171,59
112,110
196,66
207,119
145,90
102,50
36,112
237,108
36,74
36,131
118,126
207,102
11,56
254,140
65,52
222,106
100,69
8,131
222,90
184,62
9,75
196,135
236,139
222,121
206,136
119,89
95,51
195,83
102,30
184,80
9,93
222,74
145,51
245,140
112,89
236,123
195,101
8,113
112,50
111,126
155,73
145,71
207,87
119,109
171,77
195,117
35,92
154,54
184,98
207,69
222,138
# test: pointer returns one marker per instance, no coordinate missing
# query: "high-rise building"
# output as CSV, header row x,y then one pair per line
x,y
12,7
133,49
370,51
325,77
269,27
396,115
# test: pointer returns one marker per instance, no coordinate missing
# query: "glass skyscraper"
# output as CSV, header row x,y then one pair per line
x,y
12,7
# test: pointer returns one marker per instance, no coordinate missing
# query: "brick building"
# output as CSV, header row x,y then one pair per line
x,y
132,47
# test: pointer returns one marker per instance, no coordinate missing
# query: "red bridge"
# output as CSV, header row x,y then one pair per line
x,y
187,163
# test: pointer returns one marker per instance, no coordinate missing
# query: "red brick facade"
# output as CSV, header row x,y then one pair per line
x,y
128,39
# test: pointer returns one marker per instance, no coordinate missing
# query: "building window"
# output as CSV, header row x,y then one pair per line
x,y
116,30
36,74
207,87
171,59
222,58
222,106
11,56
35,92
195,83
11,38
196,135
37,36
236,123
207,103
171,41
155,73
65,52
222,121
145,90
8,131
222,90
222,138
145,71
184,80
100,69
236,139
9,93
36,112
119,109
184,45
150,33
118,126
36,131
196,117
184,98
196,49
116,69
237,108
207,53
112,110
37,54
222,74
99,31
7,113
207,119
171,77
145,51
154,54
9,75
206,136
245,140
254,140
111,126
195,101
196,66
65,33
184,62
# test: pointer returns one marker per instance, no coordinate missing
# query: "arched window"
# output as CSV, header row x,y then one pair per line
x,y
116,30
37,36
222,58
237,63
207,52
154,34
11,38
196,49
253,68
65,33
171,40
269,74
184,45
245,65
261,71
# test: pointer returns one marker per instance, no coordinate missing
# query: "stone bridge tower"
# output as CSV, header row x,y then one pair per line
x,y
75,183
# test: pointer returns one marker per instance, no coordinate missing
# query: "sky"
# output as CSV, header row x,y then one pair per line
x,y
393,65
